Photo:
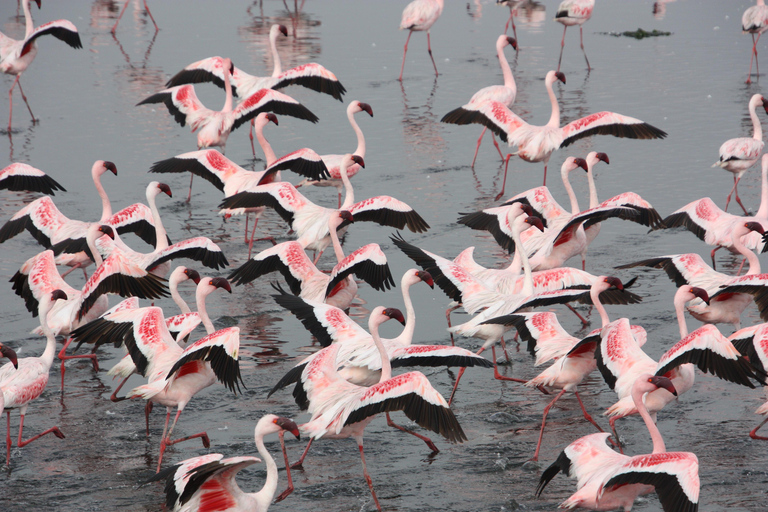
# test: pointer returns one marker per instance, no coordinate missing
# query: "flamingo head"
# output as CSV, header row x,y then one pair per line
x,y
663,382
754,226
394,314
364,107
358,160
58,294
511,41
426,277
10,354
194,275
165,189
107,230
560,76
39,4
272,117
613,282
580,162
287,425
346,216
765,104
220,282
283,29
535,222
109,166
602,157
700,293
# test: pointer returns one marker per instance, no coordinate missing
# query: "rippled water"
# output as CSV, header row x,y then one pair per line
x,y
691,84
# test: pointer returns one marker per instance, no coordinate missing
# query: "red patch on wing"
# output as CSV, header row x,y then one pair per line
x,y
565,237
583,349
189,368
336,318
723,297
215,498
704,211
586,121
217,160
254,99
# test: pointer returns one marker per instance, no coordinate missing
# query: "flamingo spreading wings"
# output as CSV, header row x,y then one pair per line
x,y
312,76
752,342
24,177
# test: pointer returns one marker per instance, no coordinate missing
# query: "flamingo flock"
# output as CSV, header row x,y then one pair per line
x,y
347,371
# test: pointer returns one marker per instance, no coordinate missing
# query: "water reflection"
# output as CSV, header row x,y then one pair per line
x,y
421,130
108,13
532,15
475,12
660,8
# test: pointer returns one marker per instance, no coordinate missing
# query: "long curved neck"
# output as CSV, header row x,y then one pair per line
x,y
349,192
680,312
360,150
506,71
593,201
183,306
658,441
265,495
203,312
752,259
571,194
554,119
517,263
762,212
30,25
337,250
161,236
50,339
410,313
386,366
275,56
106,205
594,294
269,154
758,128
90,240
528,279
228,90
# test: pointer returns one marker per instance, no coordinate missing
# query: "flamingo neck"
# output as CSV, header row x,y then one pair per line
x,y
30,24
349,192
506,71
571,194
680,311
749,254
658,441
593,201
275,56
106,205
176,296
527,289
228,90
337,250
762,212
594,294
269,153
50,339
265,495
406,337
200,296
161,236
90,240
386,366
516,266
360,150
554,118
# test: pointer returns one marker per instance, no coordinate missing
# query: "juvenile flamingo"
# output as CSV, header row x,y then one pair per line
x,y
570,13
755,21
420,15
16,56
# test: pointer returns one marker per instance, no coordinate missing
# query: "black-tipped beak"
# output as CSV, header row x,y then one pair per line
x,y
347,216
194,275
512,42
220,282
535,222
107,230
359,161
527,209
700,293
615,281
366,108
110,167
283,30
58,295
560,76
289,426
663,382
581,163
395,314
273,118
426,277
603,158
755,226
165,189
10,354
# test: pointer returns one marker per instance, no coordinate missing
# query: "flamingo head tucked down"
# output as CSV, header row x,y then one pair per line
x,y
358,160
194,275
58,295
535,222
165,189
283,30
364,107
511,41
580,162
10,354
662,382
755,226
614,282
426,277
39,4
602,157
272,117
394,314
765,104
287,425
107,230
345,215
700,293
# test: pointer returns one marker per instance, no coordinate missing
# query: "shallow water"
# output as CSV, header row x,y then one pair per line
x,y
690,84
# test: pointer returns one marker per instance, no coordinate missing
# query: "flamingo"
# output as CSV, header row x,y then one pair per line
x,y
690,269
16,56
333,162
368,263
146,8
175,375
502,93
570,13
512,4
24,177
23,380
341,409
537,143
194,483
310,221
755,21
420,15
311,75
738,155
753,343
607,480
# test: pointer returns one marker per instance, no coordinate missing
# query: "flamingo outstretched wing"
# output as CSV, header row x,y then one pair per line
x,y
387,211
23,177
181,102
267,100
199,248
312,76
221,350
63,30
289,258
368,263
609,123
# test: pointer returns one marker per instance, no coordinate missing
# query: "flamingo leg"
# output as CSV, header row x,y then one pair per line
x,y
53,430
247,218
712,255
544,422
581,36
10,103
738,199
405,50
166,442
512,21
493,138
24,97
250,134
743,260
125,5
448,318
504,346
339,206
496,374
289,489
753,433
477,148
504,181
429,50
751,56
458,377
757,62
612,422
562,45
584,321
365,469
189,195
63,358
299,464
545,172
146,8
113,397
317,258
427,440
73,267
587,416
9,443
736,179
147,410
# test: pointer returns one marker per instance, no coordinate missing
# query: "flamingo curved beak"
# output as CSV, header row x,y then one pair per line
x,y
347,216
535,222
111,167
165,189
107,230
426,277
220,282
512,42
395,314
663,382
194,275
700,293
273,118
359,161
58,294
288,425
560,76
581,163
283,29
615,281
366,108
10,354
603,158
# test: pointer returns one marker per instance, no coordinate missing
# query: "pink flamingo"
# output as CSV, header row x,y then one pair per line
x,y
420,15
23,380
755,21
738,155
16,56
341,409
338,288
752,342
607,480
333,162
146,8
537,143
502,93
512,4
194,483
24,177
310,221
570,13
690,269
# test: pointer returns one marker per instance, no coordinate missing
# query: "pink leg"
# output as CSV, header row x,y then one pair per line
x,y
581,36
63,358
365,471
493,138
247,218
299,464
448,318
743,260
166,442
427,440
736,179
544,422
458,378
8,441
53,430
504,347
504,181
317,258
289,489
562,45
712,255
65,274
339,206
429,50
147,410
587,416
757,62
477,148
146,8
612,422
113,397
189,195
545,172
250,134
114,28
10,103
584,322
24,97
405,50
752,434
751,56
496,374
738,199
512,21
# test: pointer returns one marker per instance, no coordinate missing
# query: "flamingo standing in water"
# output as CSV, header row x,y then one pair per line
x,y
755,21
512,4
195,483
122,11
502,93
420,15
16,56
570,13
537,143
738,155
23,380
607,480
